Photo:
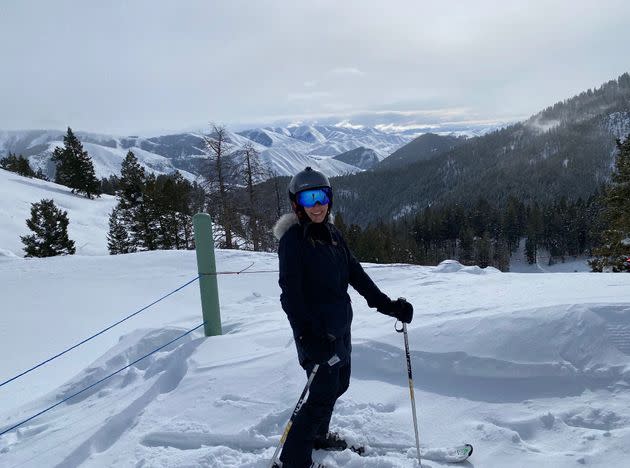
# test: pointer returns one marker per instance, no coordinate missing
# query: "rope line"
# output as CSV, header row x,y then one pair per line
x,y
15,426
97,334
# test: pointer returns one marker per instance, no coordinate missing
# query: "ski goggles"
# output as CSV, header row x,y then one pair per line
x,y
309,198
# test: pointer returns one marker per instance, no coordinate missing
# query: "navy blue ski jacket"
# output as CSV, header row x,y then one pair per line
x,y
316,268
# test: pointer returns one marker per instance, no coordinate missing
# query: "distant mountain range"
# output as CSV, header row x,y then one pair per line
x,y
333,149
565,150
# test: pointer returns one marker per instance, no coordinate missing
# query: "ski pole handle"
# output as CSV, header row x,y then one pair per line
x,y
295,411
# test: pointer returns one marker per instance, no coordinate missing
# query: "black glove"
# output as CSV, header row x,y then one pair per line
x,y
318,349
399,309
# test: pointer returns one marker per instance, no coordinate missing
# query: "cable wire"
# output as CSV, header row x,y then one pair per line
x,y
96,334
15,426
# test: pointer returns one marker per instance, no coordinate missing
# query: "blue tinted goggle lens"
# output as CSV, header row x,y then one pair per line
x,y
309,198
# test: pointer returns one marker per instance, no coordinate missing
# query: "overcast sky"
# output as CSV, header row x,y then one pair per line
x,y
129,67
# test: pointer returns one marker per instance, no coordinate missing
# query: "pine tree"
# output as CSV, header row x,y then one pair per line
x,y
50,231
118,241
614,253
40,175
17,164
531,250
501,258
466,246
88,183
131,182
66,160
137,194
484,251
74,167
144,216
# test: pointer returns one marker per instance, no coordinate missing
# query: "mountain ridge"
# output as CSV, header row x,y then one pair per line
x,y
285,150
565,150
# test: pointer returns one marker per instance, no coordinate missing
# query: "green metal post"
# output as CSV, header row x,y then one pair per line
x,y
204,242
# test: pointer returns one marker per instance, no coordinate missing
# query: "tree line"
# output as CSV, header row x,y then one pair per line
x,y
20,165
613,252
486,235
152,212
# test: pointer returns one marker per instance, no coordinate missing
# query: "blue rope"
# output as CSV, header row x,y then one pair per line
x,y
96,334
102,380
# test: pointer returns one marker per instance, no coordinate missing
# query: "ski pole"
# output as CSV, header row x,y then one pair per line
x,y
295,411
411,393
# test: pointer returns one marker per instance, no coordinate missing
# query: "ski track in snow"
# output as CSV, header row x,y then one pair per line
x,y
530,369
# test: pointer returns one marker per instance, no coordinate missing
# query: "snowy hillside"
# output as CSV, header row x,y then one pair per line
x,y
107,152
364,158
88,218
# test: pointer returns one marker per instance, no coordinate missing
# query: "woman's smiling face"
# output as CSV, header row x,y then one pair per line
x,y
317,213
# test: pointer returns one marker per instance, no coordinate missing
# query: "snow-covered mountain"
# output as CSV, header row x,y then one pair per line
x,y
284,150
107,152
533,370
365,158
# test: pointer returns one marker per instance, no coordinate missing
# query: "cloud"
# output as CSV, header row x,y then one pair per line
x,y
346,71
346,124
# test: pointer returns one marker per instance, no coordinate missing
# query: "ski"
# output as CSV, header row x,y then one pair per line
x,y
455,454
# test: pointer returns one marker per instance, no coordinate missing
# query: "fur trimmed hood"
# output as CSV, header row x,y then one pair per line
x,y
287,220
284,224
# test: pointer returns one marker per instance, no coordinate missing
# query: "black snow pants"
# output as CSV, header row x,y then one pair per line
x,y
313,418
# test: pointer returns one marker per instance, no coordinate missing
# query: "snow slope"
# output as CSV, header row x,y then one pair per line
x,y
88,218
107,152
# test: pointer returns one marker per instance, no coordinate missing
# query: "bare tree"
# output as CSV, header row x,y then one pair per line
x,y
252,171
276,190
221,168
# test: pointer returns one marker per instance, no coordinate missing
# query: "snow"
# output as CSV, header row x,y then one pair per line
x,y
519,263
105,151
533,370
530,369
107,160
88,218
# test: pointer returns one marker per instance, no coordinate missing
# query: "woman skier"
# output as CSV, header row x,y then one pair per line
x,y
316,268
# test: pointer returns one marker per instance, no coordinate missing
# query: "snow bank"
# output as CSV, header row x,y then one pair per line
x,y
453,266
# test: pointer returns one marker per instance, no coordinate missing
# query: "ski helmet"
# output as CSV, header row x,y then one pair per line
x,y
306,180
